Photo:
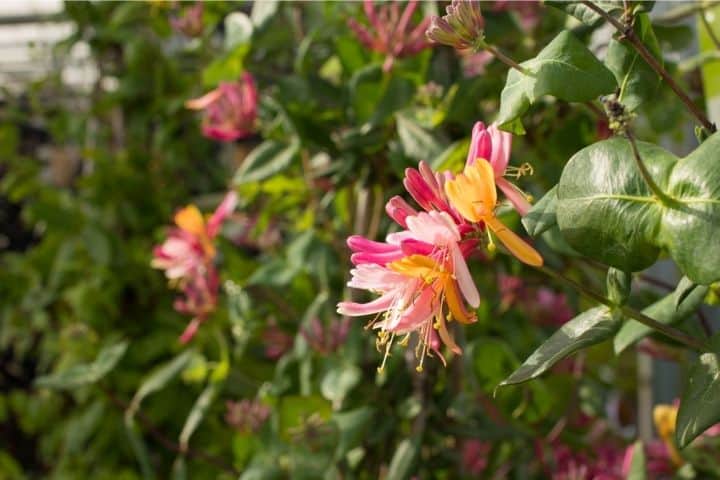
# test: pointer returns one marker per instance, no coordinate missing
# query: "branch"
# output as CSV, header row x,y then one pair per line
x,y
629,35
666,330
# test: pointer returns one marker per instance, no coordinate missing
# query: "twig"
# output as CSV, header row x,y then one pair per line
x,y
629,35
506,60
166,442
666,330
704,322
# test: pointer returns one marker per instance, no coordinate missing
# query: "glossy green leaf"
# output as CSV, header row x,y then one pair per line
x,y
80,375
589,328
583,13
268,159
665,311
606,211
637,80
542,216
699,406
565,68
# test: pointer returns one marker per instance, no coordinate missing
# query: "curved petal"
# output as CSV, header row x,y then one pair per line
x,y
501,144
514,195
354,309
223,210
516,245
464,279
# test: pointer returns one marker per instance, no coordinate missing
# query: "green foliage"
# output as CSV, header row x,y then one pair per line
x,y
698,408
606,211
548,73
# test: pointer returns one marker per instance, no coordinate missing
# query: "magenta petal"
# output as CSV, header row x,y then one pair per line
x,y
223,210
378,258
398,209
412,246
358,243
463,277
516,197
501,144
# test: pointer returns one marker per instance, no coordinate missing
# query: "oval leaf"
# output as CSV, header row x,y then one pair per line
x,y
593,326
80,375
699,407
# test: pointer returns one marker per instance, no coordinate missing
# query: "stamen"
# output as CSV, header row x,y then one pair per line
x,y
517,172
381,368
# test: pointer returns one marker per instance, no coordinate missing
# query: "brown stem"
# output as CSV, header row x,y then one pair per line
x,y
629,35
166,442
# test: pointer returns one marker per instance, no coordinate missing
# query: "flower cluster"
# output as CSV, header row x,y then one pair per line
x,y
421,272
187,256
230,110
390,32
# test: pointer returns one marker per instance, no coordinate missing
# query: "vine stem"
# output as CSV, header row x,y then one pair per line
x,y
505,59
654,188
709,28
630,312
629,34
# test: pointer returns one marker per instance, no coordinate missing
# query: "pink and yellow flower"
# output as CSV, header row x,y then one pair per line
x,y
474,195
187,256
493,145
230,110
390,32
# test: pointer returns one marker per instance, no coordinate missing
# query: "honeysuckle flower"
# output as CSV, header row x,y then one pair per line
x,y
415,287
230,110
326,339
187,256
390,32
493,145
462,27
473,194
190,23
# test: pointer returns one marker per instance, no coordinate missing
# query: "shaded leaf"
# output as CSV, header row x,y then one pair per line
x,y
402,460
417,143
589,328
699,406
637,80
565,68
542,216
80,375
197,413
268,159
618,284
157,380
665,311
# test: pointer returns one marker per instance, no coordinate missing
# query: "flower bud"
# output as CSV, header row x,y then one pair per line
x,y
461,28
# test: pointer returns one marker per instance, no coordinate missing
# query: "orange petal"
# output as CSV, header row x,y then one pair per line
x,y
417,266
191,220
445,335
517,246
455,305
460,193
482,177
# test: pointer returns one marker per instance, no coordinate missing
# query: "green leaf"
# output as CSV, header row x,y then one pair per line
x,y
197,413
339,381
583,13
226,68
541,216
637,464
158,378
589,328
606,211
352,426
268,159
637,80
402,460
619,284
684,288
80,375
565,68
699,406
417,143
665,311
139,449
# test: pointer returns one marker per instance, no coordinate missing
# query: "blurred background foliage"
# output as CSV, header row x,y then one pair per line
x,y
94,382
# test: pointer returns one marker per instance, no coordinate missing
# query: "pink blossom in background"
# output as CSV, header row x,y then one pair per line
x,y
474,456
493,145
190,23
246,415
187,256
390,31
473,64
326,339
528,11
230,111
605,462
542,305
276,341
